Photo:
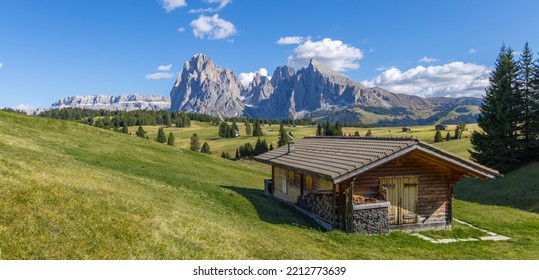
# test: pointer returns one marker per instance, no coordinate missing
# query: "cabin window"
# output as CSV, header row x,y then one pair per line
x,y
309,182
292,176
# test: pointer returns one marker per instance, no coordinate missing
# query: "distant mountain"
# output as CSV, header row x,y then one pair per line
x,y
314,91
121,102
205,88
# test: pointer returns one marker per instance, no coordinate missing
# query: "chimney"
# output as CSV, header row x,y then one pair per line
x,y
290,146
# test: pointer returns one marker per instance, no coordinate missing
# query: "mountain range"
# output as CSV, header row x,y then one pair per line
x,y
313,91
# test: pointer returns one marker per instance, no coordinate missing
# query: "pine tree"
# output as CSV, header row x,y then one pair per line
x,y
194,146
257,129
238,153
224,130
166,119
283,137
448,137
140,132
271,147
161,136
497,145
248,128
205,148
535,109
319,131
235,128
438,137
171,139
528,120
369,133
356,133
125,129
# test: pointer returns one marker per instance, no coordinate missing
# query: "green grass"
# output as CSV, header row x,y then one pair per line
x,y
457,231
71,191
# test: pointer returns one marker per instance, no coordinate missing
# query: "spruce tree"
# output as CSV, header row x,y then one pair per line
x,y
528,118
257,129
140,132
235,128
496,145
438,137
356,133
171,139
238,153
195,145
271,147
161,136
248,128
448,137
283,136
369,133
205,148
125,129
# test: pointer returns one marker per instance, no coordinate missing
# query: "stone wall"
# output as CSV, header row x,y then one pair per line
x,y
319,204
371,218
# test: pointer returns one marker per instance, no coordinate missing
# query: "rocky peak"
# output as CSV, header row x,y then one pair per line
x,y
281,74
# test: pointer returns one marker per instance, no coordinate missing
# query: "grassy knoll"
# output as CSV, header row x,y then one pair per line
x,y
71,191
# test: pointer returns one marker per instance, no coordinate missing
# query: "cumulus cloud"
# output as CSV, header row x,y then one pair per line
x,y
170,5
454,79
427,59
164,67
247,78
472,51
212,27
291,40
159,75
333,53
181,29
222,5
1,65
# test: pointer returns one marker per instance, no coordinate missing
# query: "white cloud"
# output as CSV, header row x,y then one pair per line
x,y
159,75
291,40
222,4
1,65
212,27
472,51
164,67
170,5
333,53
181,29
28,109
453,79
247,78
427,59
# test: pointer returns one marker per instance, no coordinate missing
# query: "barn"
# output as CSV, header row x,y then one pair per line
x,y
369,185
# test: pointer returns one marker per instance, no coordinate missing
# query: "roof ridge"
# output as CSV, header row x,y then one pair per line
x,y
363,138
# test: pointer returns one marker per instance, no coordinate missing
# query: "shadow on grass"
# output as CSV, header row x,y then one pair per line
x,y
273,211
518,189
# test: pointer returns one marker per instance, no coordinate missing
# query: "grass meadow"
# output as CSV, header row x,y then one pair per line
x,y
72,191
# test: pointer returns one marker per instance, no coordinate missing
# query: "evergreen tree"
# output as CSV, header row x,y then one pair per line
x,y
283,136
496,145
528,118
448,137
161,136
167,119
438,137
337,129
195,145
235,128
369,133
205,148
179,122
125,129
238,153
261,147
356,133
140,132
248,128
271,147
257,129
225,155
171,139
319,130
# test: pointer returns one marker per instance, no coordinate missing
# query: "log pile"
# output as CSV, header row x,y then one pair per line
x,y
318,204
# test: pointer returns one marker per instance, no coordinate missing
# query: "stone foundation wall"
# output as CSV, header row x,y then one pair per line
x,y
318,204
371,219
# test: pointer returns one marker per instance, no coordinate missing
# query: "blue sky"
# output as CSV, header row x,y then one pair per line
x,y
56,48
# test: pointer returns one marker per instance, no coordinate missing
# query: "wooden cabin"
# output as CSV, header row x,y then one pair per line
x,y
369,185
441,127
406,129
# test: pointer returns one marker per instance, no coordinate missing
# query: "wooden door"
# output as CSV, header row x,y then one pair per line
x,y
401,192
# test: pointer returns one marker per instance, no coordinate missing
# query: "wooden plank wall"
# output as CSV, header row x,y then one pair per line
x,y
281,176
433,191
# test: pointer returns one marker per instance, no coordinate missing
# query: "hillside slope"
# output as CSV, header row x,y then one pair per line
x,y
71,191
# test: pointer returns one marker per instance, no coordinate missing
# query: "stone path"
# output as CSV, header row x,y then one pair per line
x,y
491,236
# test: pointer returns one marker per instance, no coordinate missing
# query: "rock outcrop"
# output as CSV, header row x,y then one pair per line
x,y
121,102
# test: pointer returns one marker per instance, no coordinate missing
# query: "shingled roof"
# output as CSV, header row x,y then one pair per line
x,y
341,158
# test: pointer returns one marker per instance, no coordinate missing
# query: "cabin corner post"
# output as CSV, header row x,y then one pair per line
x,y
334,202
272,189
